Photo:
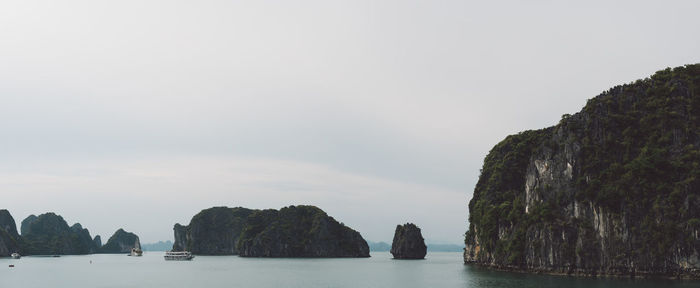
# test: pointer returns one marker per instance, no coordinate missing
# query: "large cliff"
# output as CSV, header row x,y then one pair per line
x,y
611,190
9,239
295,231
50,234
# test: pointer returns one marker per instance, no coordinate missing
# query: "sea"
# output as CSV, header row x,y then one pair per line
x,y
439,269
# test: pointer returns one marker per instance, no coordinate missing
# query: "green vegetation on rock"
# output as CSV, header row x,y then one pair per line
x,y
299,231
121,242
613,189
49,234
9,239
213,231
294,231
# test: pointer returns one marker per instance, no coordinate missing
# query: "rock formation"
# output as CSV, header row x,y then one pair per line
x,y
8,234
50,234
299,231
98,241
121,242
613,189
408,242
26,223
180,243
213,231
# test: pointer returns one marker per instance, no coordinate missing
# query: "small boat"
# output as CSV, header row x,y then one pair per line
x,y
12,265
136,252
16,255
178,255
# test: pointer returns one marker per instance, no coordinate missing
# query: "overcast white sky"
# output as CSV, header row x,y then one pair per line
x,y
138,114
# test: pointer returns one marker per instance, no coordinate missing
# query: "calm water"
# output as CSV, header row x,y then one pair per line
x,y
439,270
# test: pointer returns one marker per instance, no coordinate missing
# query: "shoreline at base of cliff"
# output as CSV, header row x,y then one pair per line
x,y
515,269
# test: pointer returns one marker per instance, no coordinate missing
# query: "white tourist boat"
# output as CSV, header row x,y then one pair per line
x,y
136,252
178,255
16,255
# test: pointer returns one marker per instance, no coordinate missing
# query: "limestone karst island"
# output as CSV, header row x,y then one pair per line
x,y
49,235
611,190
293,231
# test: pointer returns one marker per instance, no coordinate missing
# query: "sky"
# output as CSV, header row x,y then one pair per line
x,y
139,114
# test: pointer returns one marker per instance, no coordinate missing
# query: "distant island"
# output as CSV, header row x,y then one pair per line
x,y
611,190
293,231
385,247
49,234
158,246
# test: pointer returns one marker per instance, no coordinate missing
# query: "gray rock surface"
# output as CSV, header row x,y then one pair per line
x,y
180,234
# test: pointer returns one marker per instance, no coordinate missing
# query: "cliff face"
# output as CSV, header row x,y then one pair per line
x,y
26,223
299,231
213,231
121,242
97,241
180,237
613,189
8,234
408,242
50,234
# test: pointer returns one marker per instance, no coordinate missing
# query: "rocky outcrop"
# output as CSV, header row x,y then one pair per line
x,y
408,242
180,232
97,241
213,231
121,242
84,237
295,231
24,227
299,231
611,190
9,239
50,234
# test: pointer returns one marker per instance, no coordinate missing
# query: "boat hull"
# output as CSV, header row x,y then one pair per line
x,y
178,256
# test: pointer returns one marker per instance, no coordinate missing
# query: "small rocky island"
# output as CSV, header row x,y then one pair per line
x,y
294,231
408,242
121,242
